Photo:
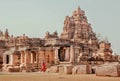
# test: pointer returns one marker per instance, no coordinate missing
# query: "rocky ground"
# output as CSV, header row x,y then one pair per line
x,y
53,77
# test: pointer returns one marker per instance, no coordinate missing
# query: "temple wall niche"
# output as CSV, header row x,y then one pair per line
x,y
16,60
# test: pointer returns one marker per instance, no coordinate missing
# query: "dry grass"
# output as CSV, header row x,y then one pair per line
x,y
52,77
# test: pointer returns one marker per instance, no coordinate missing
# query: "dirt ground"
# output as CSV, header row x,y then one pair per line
x,y
53,77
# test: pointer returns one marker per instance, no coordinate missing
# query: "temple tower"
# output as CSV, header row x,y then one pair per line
x,y
77,27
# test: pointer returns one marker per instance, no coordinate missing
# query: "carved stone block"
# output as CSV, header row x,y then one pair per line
x,y
81,69
66,69
112,70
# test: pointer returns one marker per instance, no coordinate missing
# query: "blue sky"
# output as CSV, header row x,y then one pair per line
x,y
35,17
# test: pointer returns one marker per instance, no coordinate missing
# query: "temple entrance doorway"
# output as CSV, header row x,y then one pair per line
x,y
7,59
61,54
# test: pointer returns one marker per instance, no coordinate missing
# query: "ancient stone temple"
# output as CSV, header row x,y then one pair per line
x,y
76,45
78,30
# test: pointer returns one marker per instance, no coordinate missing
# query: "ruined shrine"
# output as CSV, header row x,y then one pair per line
x,y
76,45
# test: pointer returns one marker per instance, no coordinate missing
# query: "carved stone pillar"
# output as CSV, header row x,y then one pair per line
x,y
72,53
21,61
56,56
22,57
4,59
26,57
67,54
37,56
11,59
31,55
